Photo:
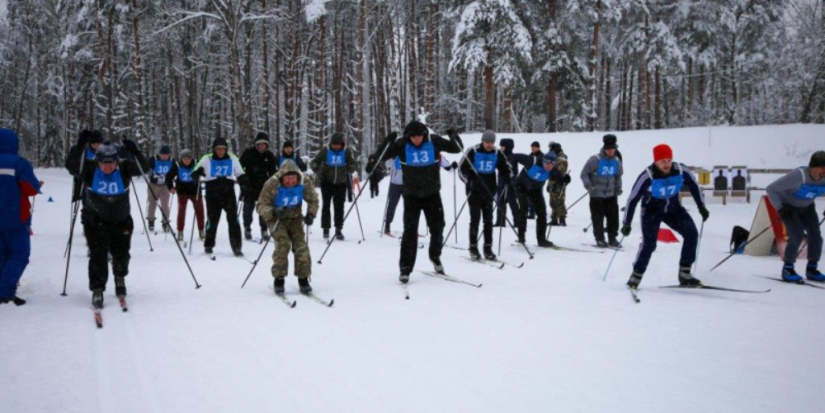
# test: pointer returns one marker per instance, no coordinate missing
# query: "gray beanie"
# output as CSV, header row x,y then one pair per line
x,y
488,136
187,153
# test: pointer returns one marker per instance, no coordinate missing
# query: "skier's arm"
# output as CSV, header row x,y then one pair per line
x,y
618,180
503,166
131,167
300,162
588,169
466,166
389,147
310,197
639,188
452,145
28,183
693,186
792,181
73,159
266,201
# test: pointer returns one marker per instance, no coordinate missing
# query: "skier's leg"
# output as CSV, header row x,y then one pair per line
x,y
121,239
326,197
303,259
434,215
213,211
231,207
650,231
15,247
409,240
680,221
97,235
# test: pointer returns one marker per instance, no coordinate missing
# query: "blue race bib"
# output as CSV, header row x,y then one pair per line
x,y
808,191
485,163
667,188
538,174
162,167
289,197
221,167
337,158
184,174
287,158
608,167
90,154
421,156
108,185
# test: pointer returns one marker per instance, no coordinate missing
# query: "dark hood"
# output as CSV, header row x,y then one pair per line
x,y
508,145
9,143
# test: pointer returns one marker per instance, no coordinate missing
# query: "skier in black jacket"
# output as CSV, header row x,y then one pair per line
x,y
419,154
87,144
260,164
537,169
478,171
288,153
506,190
109,223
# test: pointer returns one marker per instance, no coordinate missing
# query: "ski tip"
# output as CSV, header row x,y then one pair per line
x,y
520,265
294,303
331,302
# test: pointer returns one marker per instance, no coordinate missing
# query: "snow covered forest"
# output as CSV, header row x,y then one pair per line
x,y
183,72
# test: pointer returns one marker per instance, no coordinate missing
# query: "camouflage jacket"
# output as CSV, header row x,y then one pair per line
x,y
561,166
266,201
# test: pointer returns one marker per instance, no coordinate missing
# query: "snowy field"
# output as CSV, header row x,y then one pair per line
x,y
548,337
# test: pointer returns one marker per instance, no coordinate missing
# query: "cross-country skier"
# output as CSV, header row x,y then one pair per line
x,y
220,170
187,187
793,195
602,178
334,164
478,171
376,173
17,184
558,192
109,224
280,204
289,153
506,191
658,190
162,171
537,169
419,153
260,164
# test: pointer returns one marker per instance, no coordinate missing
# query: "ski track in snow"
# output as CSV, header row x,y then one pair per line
x,y
550,336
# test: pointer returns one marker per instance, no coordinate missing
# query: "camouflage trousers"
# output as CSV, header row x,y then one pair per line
x,y
558,197
290,236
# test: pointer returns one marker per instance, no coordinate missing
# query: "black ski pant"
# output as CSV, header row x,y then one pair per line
x,y
803,221
214,207
248,209
506,195
434,215
481,207
373,188
393,197
601,209
525,197
336,195
104,238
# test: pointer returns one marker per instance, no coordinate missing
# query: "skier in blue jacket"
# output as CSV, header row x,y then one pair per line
x,y
17,184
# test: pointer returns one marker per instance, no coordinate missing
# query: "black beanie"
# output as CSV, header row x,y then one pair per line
x,y
817,160
96,137
337,139
609,138
535,145
262,138
165,150
288,144
416,128
555,147
218,142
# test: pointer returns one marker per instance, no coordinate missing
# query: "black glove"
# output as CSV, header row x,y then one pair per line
x,y
132,147
452,134
454,165
391,137
280,212
626,229
309,219
787,212
83,139
566,179
704,213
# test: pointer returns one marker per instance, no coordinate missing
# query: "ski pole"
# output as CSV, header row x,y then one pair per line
x,y
169,224
386,209
76,205
455,222
455,203
805,243
140,209
198,198
358,214
746,244
611,260
255,264
72,221
166,217
577,201
698,247
332,239
69,246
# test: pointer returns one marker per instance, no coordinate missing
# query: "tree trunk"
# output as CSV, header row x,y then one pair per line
x,y
658,106
489,99
594,56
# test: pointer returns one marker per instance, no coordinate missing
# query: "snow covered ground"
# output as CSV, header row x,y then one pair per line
x,y
548,337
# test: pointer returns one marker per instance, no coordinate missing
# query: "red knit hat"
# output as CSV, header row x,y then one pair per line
x,y
662,152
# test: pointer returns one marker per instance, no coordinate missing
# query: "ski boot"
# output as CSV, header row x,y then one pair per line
x,y
16,300
813,274
120,286
166,228
247,233
237,253
790,275
612,242
180,235
474,254
326,233
208,250
635,280
554,222
279,285
686,279
437,265
562,222
303,283
387,230
201,235
264,235
404,277
97,299
338,234
152,226
545,243
601,244
488,253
